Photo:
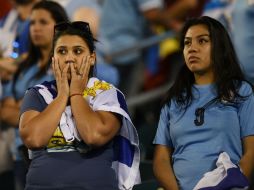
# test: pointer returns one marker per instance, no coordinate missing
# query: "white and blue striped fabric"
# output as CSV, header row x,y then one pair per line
x,y
227,176
126,146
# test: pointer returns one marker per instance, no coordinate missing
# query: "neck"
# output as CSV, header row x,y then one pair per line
x,y
45,52
207,78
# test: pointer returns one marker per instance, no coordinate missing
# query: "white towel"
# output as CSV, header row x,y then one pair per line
x,y
226,176
67,124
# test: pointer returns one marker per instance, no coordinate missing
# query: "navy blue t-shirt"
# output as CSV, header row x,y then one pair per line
x,y
68,169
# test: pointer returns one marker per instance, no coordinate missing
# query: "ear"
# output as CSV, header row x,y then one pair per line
x,y
93,58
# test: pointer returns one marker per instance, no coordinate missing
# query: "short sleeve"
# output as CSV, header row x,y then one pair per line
x,y
32,101
162,136
246,110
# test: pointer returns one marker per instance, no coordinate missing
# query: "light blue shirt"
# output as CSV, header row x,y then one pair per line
x,y
243,35
21,30
196,148
123,25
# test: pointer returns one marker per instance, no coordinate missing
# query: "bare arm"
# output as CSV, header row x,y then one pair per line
x,y
36,128
247,160
10,111
8,64
162,168
95,127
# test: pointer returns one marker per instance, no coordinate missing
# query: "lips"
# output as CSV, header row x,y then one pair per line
x,y
37,37
193,59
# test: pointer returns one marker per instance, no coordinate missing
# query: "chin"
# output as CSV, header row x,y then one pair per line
x,y
195,69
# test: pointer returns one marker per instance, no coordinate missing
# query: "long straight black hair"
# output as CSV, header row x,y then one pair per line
x,y
225,65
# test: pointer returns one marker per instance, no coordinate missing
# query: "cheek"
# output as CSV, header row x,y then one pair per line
x,y
79,62
185,56
207,57
31,31
50,32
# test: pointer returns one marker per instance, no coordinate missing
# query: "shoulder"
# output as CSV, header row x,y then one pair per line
x,y
50,85
96,87
31,92
103,96
32,101
165,110
46,87
47,84
245,89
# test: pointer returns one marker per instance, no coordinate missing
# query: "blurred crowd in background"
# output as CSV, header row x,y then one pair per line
x,y
137,51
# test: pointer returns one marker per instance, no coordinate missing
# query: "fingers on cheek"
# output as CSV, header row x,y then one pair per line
x,y
90,61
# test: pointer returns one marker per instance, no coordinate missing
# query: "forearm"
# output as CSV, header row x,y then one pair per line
x,y
95,128
247,164
10,115
37,132
165,175
86,119
8,64
247,161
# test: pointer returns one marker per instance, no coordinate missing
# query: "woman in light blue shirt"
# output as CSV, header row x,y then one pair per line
x,y
208,110
33,70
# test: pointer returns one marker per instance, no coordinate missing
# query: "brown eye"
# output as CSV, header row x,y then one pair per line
x,y
78,51
32,22
202,41
61,51
187,42
43,22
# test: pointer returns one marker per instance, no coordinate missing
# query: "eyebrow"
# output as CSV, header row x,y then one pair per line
x,y
75,46
201,35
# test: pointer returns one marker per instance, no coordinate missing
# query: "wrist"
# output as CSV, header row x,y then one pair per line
x,y
75,94
62,97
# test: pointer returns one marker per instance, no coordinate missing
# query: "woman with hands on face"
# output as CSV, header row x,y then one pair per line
x,y
71,78
78,123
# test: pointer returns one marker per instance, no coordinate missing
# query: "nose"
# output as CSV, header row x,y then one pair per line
x,y
193,47
69,58
35,27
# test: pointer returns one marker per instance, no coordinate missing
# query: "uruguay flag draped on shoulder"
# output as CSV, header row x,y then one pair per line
x,y
105,97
